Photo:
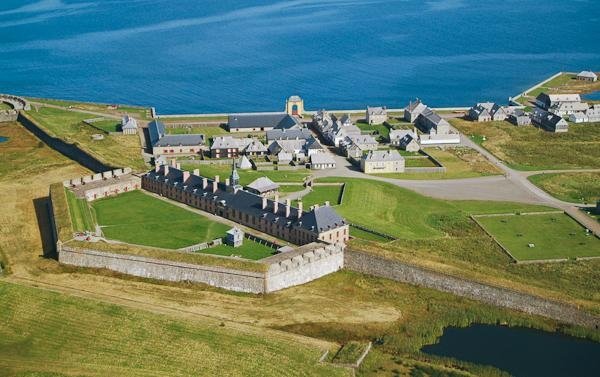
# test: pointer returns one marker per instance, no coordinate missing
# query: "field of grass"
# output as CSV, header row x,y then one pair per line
x,y
108,125
460,162
284,189
135,111
141,219
380,131
554,236
419,163
350,352
50,334
5,106
249,250
529,148
403,213
565,83
359,233
570,187
115,150
247,176
81,215
321,194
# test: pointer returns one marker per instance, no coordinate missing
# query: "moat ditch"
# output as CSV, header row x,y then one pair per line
x,y
520,351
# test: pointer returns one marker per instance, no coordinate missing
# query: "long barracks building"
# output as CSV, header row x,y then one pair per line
x,y
231,201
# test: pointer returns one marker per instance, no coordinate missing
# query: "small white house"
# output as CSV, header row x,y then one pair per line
x,y
587,76
320,161
128,125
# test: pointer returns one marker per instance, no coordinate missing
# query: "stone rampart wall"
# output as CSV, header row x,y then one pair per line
x,y
395,270
8,116
235,280
304,267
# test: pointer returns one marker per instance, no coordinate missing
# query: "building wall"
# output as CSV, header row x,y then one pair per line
x,y
177,150
370,167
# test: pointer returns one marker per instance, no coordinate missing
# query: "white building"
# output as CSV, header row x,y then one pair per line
x,y
320,161
389,161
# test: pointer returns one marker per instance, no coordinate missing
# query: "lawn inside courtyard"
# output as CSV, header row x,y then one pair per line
x,y
554,236
141,219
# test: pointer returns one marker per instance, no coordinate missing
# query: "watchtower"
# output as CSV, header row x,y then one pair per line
x,y
294,106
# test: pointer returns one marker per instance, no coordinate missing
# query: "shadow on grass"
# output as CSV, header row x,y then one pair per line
x,y
42,213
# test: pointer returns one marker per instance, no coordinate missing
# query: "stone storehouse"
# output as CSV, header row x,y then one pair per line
x,y
487,111
519,118
587,76
234,237
320,161
289,134
230,201
128,125
389,161
376,115
355,145
548,121
549,101
173,145
413,110
253,122
591,115
102,185
232,147
405,139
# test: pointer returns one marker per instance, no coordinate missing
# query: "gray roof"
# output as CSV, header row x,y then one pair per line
x,y
381,156
226,142
313,144
322,158
376,110
288,134
263,184
128,123
183,140
246,202
588,74
259,120
156,130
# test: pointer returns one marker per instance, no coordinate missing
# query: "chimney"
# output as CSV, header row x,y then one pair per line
x,y
178,166
327,203
215,183
157,168
264,202
166,169
197,172
276,203
204,183
287,208
174,163
299,208
186,175
227,182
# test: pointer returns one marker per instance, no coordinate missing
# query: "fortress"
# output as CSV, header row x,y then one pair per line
x,y
320,232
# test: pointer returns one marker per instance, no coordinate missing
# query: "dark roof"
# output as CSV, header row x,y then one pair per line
x,y
288,134
267,120
317,220
174,140
156,129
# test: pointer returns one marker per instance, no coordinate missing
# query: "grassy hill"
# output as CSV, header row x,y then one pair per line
x,y
49,334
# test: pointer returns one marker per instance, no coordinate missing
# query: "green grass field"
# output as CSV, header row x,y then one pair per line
x,y
321,194
247,176
136,111
570,187
81,214
529,148
380,131
403,213
115,150
554,236
141,219
49,334
419,163
108,125
137,218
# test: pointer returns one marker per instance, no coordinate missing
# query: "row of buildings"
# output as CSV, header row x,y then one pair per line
x,y
231,201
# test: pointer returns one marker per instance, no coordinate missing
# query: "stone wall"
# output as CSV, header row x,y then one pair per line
x,y
8,116
301,266
306,263
235,280
395,270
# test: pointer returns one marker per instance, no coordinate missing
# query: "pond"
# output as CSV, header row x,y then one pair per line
x,y
522,352
594,96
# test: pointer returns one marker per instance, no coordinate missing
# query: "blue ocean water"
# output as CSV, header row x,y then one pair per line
x,y
219,56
